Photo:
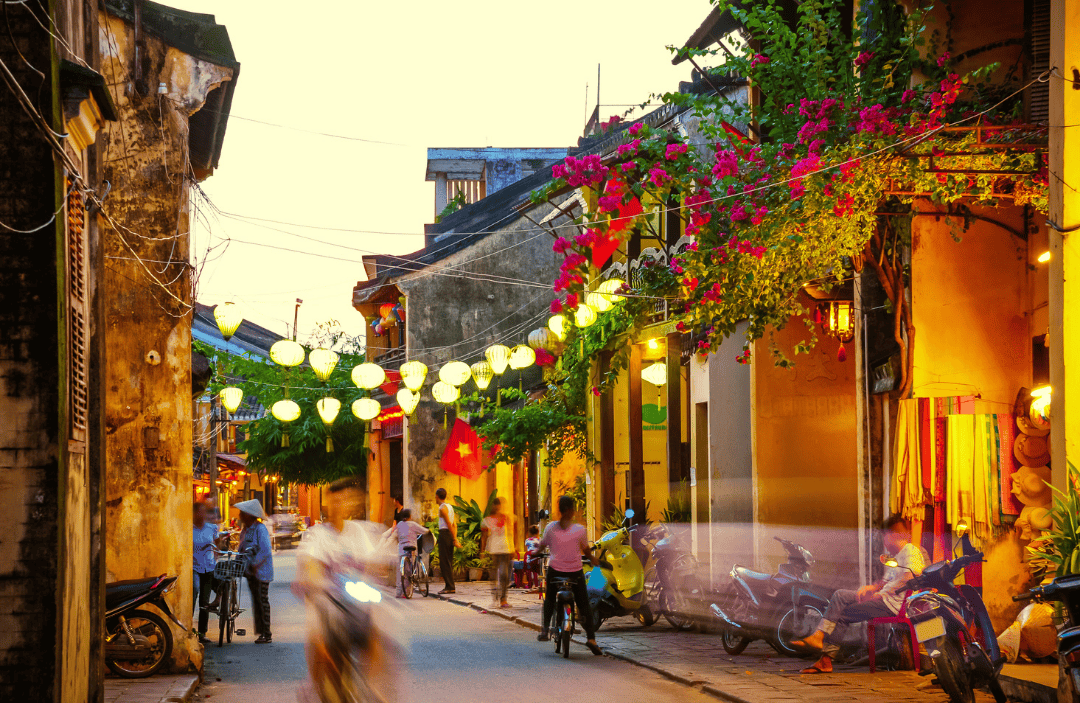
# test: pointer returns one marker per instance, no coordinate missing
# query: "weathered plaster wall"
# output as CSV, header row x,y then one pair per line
x,y
148,409
804,456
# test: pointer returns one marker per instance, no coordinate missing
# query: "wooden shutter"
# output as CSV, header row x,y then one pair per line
x,y
78,390
1039,94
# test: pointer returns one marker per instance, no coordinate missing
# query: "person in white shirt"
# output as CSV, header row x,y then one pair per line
x,y
496,536
877,600
405,530
448,540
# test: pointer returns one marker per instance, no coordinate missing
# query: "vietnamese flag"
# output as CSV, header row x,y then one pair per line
x,y
462,453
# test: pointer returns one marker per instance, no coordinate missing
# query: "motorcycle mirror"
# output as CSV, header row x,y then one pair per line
x,y
629,513
961,527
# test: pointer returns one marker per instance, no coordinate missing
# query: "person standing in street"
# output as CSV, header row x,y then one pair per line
x,y
399,505
405,531
205,537
255,543
448,540
496,533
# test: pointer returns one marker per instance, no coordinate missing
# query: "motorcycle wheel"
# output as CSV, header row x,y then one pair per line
x,y
224,610
144,624
796,623
733,643
645,615
950,671
674,608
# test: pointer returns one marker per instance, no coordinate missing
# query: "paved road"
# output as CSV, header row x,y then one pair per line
x,y
453,654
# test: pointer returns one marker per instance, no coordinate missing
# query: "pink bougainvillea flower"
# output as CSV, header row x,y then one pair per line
x,y
758,60
673,150
907,97
635,128
561,245
863,58
607,203
556,306
658,176
596,391
572,301
544,357
844,205
943,59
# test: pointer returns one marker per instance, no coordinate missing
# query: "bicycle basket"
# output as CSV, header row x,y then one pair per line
x,y
229,569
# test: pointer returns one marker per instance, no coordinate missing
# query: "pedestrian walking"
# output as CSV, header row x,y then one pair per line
x,y
496,535
204,539
448,540
255,542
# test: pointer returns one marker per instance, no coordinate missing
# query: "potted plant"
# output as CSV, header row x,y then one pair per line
x,y
478,567
464,557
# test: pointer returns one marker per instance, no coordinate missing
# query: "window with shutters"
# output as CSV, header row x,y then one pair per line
x,y
78,335
1039,28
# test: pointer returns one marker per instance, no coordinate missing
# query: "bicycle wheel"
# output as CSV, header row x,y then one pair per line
x,y
422,578
406,576
224,613
234,610
559,615
567,628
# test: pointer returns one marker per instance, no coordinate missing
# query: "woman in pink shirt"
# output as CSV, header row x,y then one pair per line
x,y
567,542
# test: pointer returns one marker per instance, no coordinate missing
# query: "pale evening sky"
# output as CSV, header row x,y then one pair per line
x,y
418,74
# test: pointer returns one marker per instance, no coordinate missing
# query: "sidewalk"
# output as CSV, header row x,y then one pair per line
x,y
758,675
166,688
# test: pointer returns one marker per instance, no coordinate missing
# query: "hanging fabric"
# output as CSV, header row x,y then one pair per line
x,y
907,496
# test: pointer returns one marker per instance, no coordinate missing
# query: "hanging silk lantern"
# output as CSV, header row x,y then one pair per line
x,y
522,357
610,288
231,398
368,376
328,410
386,309
323,362
498,355
228,319
542,338
366,409
455,373
445,394
599,302
584,316
287,353
559,326
399,313
408,400
482,374
285,411
655,374
413,374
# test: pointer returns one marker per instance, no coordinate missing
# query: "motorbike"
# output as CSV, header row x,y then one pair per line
x,y
1064,590
952,623
678,587
616,587
777,608
138,642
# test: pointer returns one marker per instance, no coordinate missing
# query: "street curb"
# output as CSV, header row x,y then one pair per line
x,y
671,676
188,694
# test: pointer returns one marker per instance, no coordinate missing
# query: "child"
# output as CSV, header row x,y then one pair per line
x,y
406,531
529,569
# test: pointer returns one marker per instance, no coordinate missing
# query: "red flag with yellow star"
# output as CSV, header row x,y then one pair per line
x,y
462,453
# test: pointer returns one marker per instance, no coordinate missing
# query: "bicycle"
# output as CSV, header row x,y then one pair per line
x,y
565,610
414,573
228,571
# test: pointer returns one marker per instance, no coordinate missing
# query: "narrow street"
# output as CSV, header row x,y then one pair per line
x,y
454,654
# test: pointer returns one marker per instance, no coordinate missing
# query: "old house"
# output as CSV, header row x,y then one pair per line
x,y
172,74
51,354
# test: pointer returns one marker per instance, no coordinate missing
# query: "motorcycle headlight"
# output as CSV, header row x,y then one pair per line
x,y
362,592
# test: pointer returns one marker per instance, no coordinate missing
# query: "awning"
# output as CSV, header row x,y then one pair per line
x,y
232,460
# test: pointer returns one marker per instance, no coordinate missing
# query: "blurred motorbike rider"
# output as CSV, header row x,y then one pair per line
x,y
341,545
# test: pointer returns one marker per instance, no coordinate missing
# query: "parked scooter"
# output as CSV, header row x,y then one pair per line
x,y
679,589
617,586
138,642
952,623
1064,590
776,608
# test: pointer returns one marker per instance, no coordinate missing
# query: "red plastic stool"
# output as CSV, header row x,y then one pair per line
x,y
899,619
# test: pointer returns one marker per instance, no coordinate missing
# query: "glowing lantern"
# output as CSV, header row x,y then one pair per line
x,y
445,393
655,348
285,411
655,374
231,398
841,320
455,373
368,376
610,288
228,318
366,409
482,374
413,374
287,353
1039,414
584,316
542,338
408,400
498,355
522,357
559,326
599,302
328,410
323,362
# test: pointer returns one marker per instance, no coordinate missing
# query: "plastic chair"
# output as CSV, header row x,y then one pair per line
x,y
898,619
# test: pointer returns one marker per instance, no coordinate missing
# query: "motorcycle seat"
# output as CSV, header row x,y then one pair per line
x,y
751,575
120,591
409,549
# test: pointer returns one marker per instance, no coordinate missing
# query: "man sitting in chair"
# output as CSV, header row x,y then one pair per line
x,y
878,600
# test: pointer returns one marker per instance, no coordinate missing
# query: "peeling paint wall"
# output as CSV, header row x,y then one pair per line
x,y
148,419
